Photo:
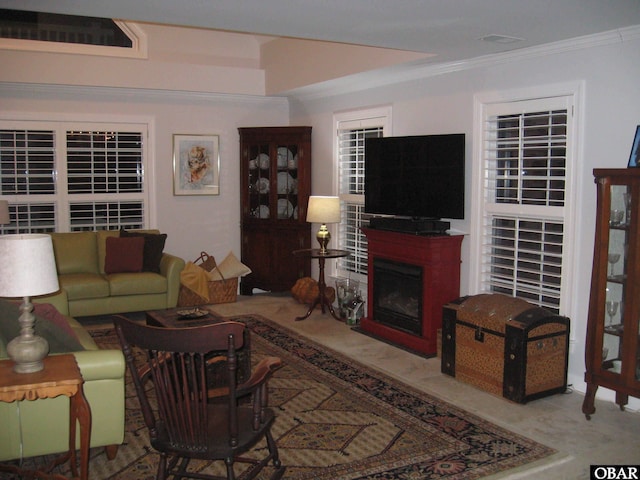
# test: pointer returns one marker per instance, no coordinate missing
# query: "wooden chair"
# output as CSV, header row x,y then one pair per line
x,y
199,417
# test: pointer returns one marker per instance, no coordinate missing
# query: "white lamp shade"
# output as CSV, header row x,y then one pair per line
x,y
4,212
323,210
27,265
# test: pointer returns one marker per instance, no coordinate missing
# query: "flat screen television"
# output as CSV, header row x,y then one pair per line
x,y
416,176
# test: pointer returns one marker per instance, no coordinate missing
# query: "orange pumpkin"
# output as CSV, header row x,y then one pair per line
x,y
306,290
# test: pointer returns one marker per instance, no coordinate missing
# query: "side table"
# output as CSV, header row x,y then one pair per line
x,y
61,376
322,257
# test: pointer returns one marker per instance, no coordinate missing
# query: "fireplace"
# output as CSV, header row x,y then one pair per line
x,y
410,278
397,295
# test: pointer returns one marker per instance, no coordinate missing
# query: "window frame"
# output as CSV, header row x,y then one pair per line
x,y
571,96
139,47
355,119
62,199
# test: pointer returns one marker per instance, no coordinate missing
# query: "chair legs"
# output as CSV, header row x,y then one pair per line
x,y
162,467
167,464
273,450
257,467
230,473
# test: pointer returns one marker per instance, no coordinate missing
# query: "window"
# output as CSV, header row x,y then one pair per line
x,y
54,27
525,174
70,34
68,178
352,130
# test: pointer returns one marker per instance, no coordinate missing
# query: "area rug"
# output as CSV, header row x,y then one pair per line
x,y
338,419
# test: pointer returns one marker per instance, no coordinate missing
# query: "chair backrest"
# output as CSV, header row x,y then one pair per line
x,y
178,361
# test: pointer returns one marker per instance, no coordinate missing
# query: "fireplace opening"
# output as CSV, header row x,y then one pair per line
x,y
397,296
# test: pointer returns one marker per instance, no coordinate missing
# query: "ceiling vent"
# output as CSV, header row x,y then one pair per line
x,y
501,39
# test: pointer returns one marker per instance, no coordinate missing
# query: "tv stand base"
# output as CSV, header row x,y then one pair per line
x,y
419,226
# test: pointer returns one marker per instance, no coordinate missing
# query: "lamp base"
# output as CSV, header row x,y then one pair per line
x,y
323,236
27,350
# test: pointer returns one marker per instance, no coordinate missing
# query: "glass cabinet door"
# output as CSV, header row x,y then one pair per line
x,y
273,181
287,182
612,353
619,223
259,185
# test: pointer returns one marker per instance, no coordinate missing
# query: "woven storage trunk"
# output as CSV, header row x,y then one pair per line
x,y
220,291
505,346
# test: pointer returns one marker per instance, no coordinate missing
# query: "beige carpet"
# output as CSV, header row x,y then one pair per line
x,y
337,419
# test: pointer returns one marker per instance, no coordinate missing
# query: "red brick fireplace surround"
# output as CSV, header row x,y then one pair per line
x,y
411,277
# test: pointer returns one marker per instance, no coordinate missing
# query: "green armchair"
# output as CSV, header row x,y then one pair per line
x,y
41,427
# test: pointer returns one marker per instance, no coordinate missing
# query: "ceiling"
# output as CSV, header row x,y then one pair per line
x,y
451,30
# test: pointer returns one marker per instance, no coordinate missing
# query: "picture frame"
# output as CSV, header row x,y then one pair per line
x,y
196,164
633,157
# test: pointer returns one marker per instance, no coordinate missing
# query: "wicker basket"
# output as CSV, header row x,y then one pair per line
x,y
220,291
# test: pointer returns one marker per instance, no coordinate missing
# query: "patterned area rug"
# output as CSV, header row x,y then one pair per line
x,y
338,419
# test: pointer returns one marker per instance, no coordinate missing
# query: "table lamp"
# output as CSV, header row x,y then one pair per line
x,y
323,210
27,268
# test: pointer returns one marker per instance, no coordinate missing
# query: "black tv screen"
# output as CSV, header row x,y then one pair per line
x,y
416,176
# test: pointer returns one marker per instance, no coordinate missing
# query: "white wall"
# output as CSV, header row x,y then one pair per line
x,y
608,70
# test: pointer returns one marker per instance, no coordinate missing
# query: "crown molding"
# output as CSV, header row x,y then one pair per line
x,y
405,73
75,92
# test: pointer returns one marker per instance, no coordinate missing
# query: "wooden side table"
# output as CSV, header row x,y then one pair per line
x,y
322,257
61,376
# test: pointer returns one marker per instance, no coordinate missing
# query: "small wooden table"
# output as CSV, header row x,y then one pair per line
x,y
60,376
173,318
322,257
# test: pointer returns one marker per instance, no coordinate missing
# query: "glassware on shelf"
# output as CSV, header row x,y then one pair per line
x,y
627,206
613,259
616,218
612,309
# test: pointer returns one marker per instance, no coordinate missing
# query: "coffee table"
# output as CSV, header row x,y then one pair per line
x,y
173,318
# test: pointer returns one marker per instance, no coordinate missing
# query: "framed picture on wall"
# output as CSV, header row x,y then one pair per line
x,y
196,164
633,158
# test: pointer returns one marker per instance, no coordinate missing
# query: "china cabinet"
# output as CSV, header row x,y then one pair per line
x,y
612,355
275,169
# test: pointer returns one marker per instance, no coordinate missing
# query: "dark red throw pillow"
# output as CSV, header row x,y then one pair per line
x,y
124,255
50,313
153,248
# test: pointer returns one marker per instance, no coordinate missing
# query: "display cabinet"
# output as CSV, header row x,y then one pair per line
x,y
275,168
612,355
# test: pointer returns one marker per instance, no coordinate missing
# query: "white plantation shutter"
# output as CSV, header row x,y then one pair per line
x,y
104,162
27,172
105,169
523,258
525,151
351,162
71,177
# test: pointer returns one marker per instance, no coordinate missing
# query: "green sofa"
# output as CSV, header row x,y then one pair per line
x,y
42,426
80,261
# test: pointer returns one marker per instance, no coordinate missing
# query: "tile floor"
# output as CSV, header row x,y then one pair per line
x,y
610,437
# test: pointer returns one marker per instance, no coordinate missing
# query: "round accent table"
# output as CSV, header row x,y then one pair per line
x,y
322,257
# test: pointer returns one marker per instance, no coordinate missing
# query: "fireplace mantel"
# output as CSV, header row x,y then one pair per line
x,y
439,258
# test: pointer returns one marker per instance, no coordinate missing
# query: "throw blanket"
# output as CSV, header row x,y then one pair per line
x,y
196,279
